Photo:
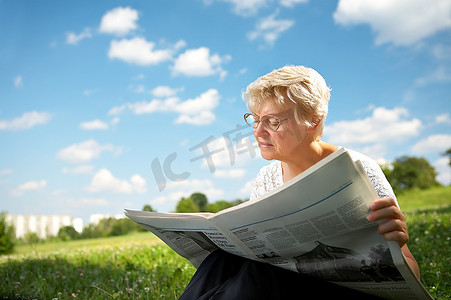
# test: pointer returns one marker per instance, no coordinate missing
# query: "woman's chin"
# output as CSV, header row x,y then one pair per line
x,y
267,155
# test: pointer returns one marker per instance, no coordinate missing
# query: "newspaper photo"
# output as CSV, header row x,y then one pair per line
x,y
314,224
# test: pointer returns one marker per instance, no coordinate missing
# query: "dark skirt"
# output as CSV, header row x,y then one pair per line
x,y
226,276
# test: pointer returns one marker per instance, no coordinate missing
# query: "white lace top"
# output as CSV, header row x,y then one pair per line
x,y
270,177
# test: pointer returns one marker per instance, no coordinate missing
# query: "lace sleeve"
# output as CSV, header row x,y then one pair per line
x,y
375,174
267,179
379,181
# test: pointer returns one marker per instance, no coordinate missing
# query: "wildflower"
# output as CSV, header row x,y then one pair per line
x,y
81,275
147,289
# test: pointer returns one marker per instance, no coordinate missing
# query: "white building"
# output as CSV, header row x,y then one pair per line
x,y
43,226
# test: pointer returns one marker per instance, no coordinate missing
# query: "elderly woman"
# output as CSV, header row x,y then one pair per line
x,y
288,108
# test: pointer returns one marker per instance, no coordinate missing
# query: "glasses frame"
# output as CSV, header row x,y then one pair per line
x,y
265,120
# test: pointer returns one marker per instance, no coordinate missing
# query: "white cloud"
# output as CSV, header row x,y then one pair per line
x,y
85,169
441,51
291,3
137,88
199,63
94,201
383,126
89,92
104,181
29,186
201,118
5,172
73,38
245,191
244,7
189,186
26,121
439,75
94,125
138,51
119,21
443,119
115,121
18,81
164,91
231,173
269,29
437,143
117,110
143,107
441,166
224,152
197,111
179,45
85,151
401,22
33,185
248,8
205,102
140,76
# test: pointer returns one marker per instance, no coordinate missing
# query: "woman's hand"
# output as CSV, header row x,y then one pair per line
x,y
393,227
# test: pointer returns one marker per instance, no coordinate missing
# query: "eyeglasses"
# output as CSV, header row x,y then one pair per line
x,y
269,122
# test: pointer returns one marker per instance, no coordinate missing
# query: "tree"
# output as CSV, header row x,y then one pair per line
x,y
7,235
31,238
218,206
448,153
147,207
412,172
201,201
68,233
123,226
90,232
187,205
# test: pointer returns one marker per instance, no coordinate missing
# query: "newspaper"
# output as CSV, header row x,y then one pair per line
x,y
314,224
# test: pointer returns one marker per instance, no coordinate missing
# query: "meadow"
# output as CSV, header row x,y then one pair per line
x,y
139,266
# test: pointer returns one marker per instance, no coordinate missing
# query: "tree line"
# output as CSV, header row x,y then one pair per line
x,y
405,173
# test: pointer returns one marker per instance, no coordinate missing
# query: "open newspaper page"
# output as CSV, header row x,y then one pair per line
x,y
184,233
314,224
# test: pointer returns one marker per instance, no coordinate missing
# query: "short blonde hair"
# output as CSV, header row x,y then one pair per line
x,y
300,85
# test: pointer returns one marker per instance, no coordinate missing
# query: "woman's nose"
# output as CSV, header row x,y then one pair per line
x,y
260,130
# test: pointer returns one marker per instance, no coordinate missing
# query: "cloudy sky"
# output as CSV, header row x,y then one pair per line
x,y
106,105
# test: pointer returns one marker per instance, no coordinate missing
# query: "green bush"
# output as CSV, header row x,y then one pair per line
x,y
7,235
68,233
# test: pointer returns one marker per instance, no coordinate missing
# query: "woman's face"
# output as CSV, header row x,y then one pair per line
x,y
285,143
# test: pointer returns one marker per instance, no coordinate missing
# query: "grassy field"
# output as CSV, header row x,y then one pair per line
x,y
136,266
139,266
431,198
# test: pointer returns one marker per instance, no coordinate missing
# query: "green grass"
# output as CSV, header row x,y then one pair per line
x,y
430,243
421,199
135,238
136,266
140,266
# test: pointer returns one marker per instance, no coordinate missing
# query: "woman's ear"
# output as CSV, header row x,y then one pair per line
x,y
315,123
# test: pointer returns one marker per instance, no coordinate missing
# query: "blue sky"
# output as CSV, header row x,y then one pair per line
x,y
106,105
